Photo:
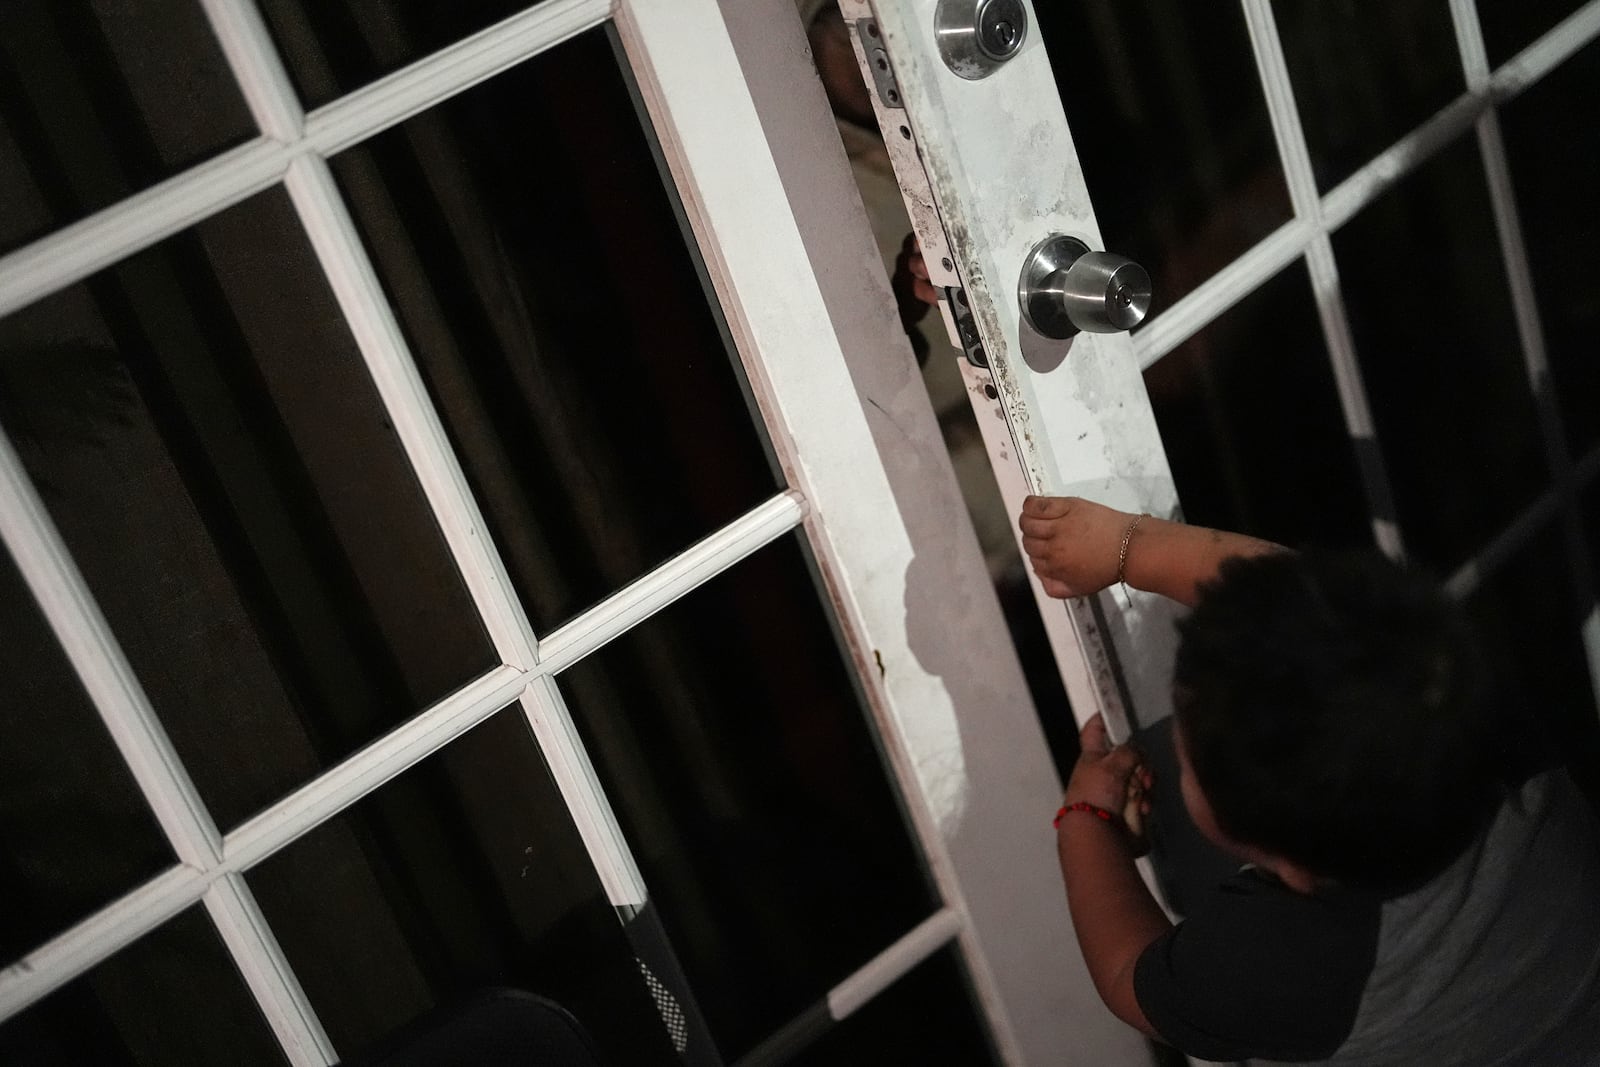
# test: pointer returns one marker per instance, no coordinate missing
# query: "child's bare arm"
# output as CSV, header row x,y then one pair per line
x,y
1075,545
1113,913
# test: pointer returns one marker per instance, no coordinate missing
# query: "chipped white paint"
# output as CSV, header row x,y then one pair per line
x,y
795,366
1000,164
1002,168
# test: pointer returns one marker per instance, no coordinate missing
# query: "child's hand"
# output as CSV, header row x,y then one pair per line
x,y
1072,543
911,277
1111,778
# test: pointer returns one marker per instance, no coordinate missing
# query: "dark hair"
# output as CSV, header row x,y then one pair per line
x,y
1333,713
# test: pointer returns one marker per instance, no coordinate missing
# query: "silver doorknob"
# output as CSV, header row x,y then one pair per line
x,y
1065,288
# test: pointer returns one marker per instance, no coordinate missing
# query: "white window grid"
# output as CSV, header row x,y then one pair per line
x,y
293,150
1308,235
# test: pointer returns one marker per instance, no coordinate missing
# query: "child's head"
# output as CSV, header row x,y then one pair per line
x,y
1332,712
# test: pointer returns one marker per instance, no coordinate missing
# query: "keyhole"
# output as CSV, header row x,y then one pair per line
x,y
1005,35
1124,296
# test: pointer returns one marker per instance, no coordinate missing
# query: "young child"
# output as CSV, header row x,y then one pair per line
x,y
1405,899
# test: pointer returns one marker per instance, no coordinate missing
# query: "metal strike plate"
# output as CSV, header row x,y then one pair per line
x,y
955,299
878,61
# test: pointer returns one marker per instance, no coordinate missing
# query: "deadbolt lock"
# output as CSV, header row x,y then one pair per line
x,y
977,36
1066,288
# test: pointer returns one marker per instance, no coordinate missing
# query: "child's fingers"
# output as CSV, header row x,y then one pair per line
x,y
1092,738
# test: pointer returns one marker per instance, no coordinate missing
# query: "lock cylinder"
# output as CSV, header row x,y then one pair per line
x,y
1066,288
976,37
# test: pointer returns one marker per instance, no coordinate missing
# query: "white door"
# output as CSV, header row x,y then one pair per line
x,y
407,597
1346,213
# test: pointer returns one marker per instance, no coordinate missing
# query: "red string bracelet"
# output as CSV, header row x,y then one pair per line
x,y
1083,805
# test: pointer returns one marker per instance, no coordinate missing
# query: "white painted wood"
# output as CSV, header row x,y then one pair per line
x,y
426,82
546,712
694,567
97,659
1320,264
892,543
256,67
70,953
893,963
76,251
1508,227
1077,411
267,974
1386,169
1195,311
360,774
377,334
73,253
1202,306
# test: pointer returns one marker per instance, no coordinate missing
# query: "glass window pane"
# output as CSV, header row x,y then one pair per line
x,y
99,100
1555,166
1528,616
1509,27
1431,315
77,833
1170,123
1365,75
926,1017
1249,416
463,874
333,46
174,996
538,269
207,440
732,742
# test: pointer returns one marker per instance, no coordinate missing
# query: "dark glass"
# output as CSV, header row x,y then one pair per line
x,y
1249,416
1365,75
462,875
213,452
1591,522
926,1017
1509,26
526,241
1431,315
171,997
100,100
730,738
1171,126
76,831
1554,153
333,46
1530,617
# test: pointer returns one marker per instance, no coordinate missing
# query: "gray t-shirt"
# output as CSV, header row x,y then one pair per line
x,y
1495,961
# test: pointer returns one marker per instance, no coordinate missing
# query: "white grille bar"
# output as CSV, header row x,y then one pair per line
x,y
620,611
138,912
108,679
1200,308
1320,263
77,251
